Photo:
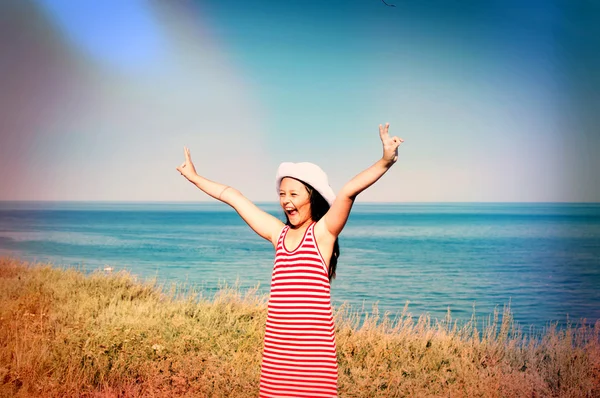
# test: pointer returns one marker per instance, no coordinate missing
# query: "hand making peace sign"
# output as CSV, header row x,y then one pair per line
x,y
187,168
390,144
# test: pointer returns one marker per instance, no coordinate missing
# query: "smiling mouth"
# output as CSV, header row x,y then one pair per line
x,y
291,212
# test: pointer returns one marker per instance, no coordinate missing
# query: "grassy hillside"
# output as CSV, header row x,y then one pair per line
x,y
63,333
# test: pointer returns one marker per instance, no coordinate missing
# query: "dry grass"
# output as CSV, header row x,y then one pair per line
x,y
63,333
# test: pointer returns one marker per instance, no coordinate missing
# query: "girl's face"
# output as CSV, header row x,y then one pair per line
x,y
295,201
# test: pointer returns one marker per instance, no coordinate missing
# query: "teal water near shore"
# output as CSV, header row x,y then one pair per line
x,y
543,258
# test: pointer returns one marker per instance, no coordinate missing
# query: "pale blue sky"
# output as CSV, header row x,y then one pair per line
x,y
496,101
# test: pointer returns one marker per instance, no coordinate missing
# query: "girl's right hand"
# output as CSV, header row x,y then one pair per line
x,y
187,168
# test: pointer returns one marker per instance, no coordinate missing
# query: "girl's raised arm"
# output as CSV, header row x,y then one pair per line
x,y
335,219
264,224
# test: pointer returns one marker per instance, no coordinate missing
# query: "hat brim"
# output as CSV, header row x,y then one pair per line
x,y
308,173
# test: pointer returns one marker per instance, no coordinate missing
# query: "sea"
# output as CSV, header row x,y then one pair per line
x,y
433,259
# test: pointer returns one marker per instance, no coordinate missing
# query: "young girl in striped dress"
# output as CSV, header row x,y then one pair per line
x,y
299,355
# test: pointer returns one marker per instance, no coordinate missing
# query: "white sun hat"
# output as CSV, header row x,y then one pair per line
x,y
309,173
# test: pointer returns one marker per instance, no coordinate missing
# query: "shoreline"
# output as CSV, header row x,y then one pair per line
x,y
528,329
472,258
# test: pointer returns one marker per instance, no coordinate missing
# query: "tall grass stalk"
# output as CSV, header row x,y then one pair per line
x,y
64,333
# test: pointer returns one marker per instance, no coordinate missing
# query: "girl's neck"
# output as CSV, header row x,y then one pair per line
x,y
302,226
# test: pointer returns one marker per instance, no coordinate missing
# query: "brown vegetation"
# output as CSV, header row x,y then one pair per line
x,y
63,333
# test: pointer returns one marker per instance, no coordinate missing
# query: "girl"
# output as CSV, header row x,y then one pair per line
x,y
299,354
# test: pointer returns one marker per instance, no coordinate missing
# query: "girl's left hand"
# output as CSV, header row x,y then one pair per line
x,y
390,144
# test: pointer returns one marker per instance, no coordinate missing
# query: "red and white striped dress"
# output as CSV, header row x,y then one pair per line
x,y
299,357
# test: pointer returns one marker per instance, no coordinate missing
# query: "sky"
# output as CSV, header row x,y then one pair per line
x,y
497,101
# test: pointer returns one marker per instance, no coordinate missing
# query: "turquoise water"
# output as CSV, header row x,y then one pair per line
x,y
542,258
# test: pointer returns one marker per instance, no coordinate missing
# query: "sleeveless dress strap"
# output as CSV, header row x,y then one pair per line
x,y
283,232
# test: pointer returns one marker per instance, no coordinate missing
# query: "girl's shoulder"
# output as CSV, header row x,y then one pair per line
x,y
321,234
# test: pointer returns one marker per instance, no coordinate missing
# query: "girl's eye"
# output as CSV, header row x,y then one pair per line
x,y
294,194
